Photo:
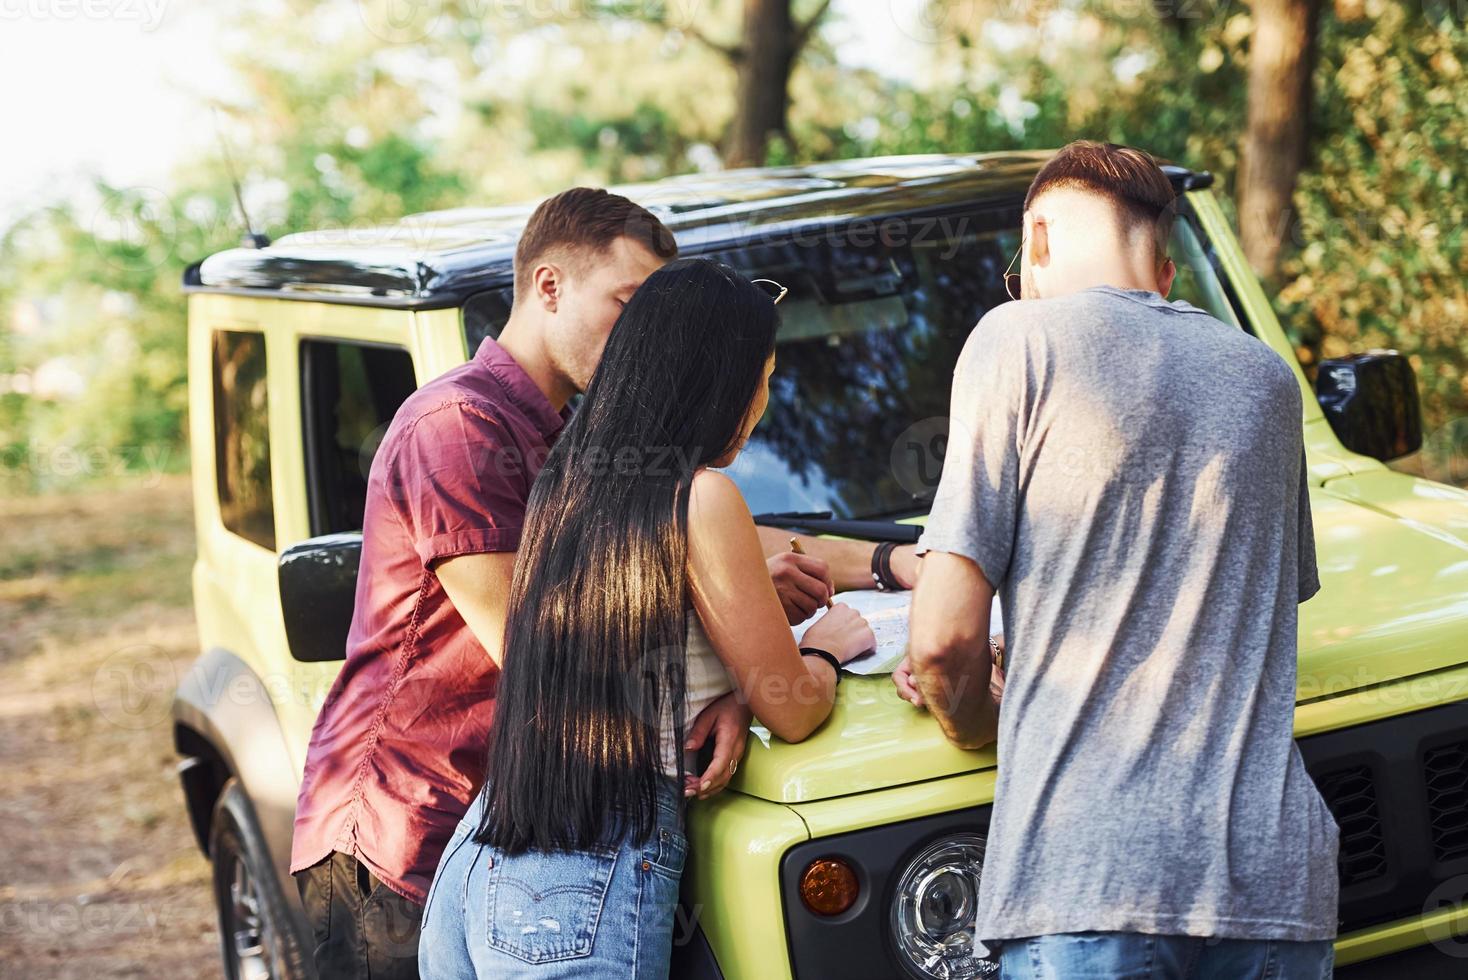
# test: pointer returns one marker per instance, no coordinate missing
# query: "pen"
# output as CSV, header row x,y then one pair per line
x,y
795,547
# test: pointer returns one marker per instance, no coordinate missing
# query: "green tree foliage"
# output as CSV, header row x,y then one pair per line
x,y
95,350
1377,255
92,343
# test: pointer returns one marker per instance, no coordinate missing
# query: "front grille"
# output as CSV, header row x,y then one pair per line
x,y
1351,796
1445,771
1398,789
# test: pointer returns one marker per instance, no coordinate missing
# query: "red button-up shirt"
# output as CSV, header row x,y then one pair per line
x,y
396,754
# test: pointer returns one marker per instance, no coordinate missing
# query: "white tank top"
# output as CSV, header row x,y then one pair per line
x,y
707,681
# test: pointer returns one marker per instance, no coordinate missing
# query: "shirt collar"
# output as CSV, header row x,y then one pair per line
x,y
1145,296
1141,295
519,389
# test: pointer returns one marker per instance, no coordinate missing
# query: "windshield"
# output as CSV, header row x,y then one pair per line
x,y
877,313
871,329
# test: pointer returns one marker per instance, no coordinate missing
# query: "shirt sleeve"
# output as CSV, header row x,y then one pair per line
x,y
976,510
1309,574
459,483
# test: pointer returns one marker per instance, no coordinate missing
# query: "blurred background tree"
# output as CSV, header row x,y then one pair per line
x,y
1277,125
1340,127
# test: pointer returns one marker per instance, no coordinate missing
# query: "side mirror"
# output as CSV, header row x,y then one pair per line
x,y
318,587
1372,404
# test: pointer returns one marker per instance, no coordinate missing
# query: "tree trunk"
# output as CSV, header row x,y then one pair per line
x,y
1281,57
766,54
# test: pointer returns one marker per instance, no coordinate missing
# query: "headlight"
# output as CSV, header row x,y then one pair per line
x,y
933,910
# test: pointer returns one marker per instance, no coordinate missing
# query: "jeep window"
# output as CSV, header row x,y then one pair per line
x,y
485,315
349,394
1198,280
242,436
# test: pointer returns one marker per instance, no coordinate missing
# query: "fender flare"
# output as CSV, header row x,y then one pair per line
x,y
222,706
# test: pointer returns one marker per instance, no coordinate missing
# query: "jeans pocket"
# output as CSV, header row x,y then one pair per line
x,y
392,926
544,906
666,853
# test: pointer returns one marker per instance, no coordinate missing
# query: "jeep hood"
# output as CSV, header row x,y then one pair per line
x,y
1393,602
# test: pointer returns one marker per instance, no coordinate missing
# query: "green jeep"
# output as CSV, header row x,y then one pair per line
x,y
300,352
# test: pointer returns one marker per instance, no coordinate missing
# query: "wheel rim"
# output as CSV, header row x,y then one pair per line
x,y
245,929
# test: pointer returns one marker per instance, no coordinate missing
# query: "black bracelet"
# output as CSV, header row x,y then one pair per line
x,y
877,566
824,655
882,573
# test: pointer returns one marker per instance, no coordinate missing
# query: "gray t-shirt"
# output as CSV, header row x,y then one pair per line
x,y
1129,473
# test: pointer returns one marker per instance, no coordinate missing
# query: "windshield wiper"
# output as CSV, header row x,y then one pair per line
x,y
822,522
776,516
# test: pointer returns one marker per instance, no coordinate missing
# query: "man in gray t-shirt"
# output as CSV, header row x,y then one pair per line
x,y
1128,473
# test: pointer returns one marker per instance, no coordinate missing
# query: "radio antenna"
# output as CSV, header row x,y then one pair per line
x,y
252,238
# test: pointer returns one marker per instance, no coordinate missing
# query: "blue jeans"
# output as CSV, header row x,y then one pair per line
x,y
1134,956
549,915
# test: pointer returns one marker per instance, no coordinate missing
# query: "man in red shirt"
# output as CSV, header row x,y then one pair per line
x,y
396,752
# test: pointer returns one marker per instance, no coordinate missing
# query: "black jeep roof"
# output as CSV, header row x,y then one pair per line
x,y
438,258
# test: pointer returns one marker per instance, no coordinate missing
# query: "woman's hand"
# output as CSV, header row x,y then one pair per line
x,y
727,722
842,632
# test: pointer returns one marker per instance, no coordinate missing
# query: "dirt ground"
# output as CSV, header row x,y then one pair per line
x,y
99,873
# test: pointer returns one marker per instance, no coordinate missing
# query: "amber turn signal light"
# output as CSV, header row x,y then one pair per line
x,y
828,886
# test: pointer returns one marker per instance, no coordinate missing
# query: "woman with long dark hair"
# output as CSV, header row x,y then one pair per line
x,y
640,595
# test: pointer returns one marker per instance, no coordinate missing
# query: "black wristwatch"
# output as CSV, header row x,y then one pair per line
x,y
824,655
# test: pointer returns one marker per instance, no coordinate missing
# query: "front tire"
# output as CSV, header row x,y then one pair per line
x,y
256,935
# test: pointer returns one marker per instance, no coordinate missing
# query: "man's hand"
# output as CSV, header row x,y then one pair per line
x,y
906,685
907,688
803,583
996,685
727,720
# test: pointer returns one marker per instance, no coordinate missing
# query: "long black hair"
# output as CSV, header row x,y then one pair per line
x,y
595,631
